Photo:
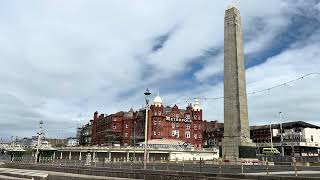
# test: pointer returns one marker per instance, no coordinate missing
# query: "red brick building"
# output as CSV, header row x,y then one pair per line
x,y
212,133
127,128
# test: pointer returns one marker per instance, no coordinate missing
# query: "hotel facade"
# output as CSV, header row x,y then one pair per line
x,y
167,124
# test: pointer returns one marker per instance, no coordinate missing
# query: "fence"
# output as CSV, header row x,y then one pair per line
x,y
213,166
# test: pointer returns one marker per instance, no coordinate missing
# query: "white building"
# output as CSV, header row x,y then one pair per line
x,y
300,138
72,142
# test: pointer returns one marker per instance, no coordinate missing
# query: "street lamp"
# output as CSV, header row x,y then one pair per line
x,y
271,136
147,95
281,135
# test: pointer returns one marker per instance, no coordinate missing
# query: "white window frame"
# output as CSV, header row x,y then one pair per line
x,y
187,134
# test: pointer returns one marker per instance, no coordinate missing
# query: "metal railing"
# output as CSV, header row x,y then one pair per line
x,y
254,167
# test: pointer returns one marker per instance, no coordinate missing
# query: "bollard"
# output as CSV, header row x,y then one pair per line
x,y
241,168
295,166
183,164
267,163
220,162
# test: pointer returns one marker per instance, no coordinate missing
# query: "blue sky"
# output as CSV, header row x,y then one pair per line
x,y
63,60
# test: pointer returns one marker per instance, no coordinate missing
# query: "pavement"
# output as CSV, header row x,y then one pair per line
x,y
311,173
43,174
11,178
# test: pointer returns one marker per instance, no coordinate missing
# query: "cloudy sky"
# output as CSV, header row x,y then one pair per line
x,y
63,60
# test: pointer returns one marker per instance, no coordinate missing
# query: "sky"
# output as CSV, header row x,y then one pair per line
x,y
63,60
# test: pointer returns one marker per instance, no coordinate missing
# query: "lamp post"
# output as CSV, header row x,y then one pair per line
x,y
271,136
292,145
40,134
281,135
134,140
147,95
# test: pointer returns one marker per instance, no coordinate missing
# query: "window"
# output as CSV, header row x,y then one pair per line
x,y
187,134
173,132
159,113
173,125
127,126
159,133
199,136
187,126
159,122
195,136
177,125
311,138
155,113
177,115
195,116
188,116
154,133
126,134
199,126
155,122
195,127
114,126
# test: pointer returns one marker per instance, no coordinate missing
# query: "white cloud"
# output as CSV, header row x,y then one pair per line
x,y
60,59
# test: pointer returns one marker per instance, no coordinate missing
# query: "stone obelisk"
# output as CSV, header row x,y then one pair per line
x,y
236,124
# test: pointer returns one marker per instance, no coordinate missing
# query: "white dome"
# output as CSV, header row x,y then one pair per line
x,y
157,101
196,105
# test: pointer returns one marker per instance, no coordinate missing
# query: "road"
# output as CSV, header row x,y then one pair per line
x,y
10,173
